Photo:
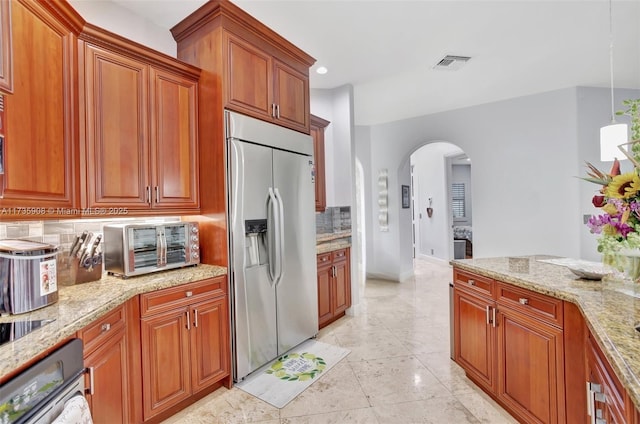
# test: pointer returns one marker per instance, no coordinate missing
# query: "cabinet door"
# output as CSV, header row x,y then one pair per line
x,y
117,140
530,368
174,140
325,311
165,360
317,133
210,345
291,96
474,338
342,287
249,78
39,149
6,76
110,396
612,404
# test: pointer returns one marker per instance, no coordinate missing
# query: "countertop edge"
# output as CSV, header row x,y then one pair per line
x,y
16,354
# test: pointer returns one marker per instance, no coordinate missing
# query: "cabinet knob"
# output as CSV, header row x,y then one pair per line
x,y
523,301
472,282
105,327
188,294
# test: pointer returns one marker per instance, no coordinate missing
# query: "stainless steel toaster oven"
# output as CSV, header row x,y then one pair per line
x,y
134,249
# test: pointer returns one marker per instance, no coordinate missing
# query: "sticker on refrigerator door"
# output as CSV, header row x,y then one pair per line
x,y
48,277
313,171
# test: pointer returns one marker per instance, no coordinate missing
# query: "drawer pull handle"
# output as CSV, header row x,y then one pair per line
x,y
105,327
91,389
523,301
472,282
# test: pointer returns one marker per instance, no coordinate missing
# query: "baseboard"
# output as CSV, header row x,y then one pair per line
x,y
406,276
376,276
433,259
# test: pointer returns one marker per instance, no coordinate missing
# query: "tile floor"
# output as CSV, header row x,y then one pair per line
x,y
398,371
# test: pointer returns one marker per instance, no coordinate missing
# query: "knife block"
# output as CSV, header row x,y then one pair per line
x,y
84,274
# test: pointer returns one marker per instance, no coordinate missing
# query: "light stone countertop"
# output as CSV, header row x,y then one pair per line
x,y
81,304
611,307
329,242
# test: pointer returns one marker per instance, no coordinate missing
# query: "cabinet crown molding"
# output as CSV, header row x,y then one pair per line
x,y
213,13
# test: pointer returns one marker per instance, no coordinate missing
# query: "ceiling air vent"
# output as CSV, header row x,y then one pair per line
x,y
451,63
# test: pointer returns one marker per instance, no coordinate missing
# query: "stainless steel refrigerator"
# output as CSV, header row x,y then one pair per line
x,y
272,257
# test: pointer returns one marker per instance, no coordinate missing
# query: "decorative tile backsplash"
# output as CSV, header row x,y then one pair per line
x,y
62,233
333,219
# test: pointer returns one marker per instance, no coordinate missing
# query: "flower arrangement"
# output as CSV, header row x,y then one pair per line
x,y
619,200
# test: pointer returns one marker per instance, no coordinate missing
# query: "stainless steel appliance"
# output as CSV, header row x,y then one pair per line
x,y
38,394
28,275
134,249
272,240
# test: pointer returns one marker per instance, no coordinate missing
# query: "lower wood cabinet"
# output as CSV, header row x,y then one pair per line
x,y
530,367
509,341
475,337
534,355
607,399
185,343
334,285
105,356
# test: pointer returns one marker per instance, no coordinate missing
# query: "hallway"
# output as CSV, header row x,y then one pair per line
x,y
398,371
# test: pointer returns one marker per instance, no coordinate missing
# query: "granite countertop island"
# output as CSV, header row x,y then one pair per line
x,y
79,305
611,307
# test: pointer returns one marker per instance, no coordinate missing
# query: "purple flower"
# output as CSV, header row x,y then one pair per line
x,y
596,223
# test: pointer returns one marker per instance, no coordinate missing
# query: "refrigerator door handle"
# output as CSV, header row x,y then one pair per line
x,y
272,227
280,233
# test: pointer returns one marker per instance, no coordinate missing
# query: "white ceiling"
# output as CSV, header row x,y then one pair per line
x,y
386,49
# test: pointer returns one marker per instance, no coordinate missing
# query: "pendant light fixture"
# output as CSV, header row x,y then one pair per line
x,y
614,134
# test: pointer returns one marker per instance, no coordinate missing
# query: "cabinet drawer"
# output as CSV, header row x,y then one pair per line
x,y
339,255
324,258
536,305
166,299
96,333
473,283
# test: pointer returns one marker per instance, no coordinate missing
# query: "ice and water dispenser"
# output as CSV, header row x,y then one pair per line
x,y
256,242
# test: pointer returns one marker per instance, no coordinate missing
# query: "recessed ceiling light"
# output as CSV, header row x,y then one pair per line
x,y
322,70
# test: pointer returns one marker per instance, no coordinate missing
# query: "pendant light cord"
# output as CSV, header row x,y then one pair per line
x,y
613,119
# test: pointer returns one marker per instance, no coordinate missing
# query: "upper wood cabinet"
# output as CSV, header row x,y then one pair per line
x,y
261,74
318,126
260,85
139,133
38,153
6,75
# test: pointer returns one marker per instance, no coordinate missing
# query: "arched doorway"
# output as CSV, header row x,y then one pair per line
x,y
441,202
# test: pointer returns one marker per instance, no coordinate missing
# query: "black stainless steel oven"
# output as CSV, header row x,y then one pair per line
x,y
38,394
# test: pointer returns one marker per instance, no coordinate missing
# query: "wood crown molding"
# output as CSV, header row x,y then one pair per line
x,y
316,121
103,38
212,12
